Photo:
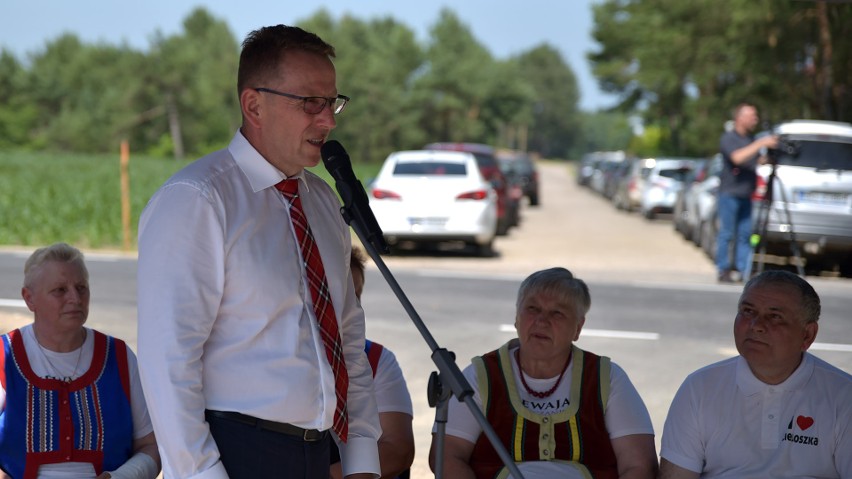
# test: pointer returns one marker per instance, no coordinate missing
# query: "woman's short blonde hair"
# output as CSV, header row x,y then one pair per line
x,y
57,252
560,282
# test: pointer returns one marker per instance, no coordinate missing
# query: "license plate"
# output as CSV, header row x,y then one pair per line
x,y
824,198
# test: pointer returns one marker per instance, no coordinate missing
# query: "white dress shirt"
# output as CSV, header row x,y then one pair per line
x,y
226,320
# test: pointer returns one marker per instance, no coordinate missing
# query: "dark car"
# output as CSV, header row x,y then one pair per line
x,y
515,191
486,159
523,167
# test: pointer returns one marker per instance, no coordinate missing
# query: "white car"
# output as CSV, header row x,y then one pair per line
x,y
430,196
663,179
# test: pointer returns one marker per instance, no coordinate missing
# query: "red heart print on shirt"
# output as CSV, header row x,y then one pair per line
x,y
804,422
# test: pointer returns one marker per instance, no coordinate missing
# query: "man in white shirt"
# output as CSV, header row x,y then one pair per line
x,y
773,411
238,367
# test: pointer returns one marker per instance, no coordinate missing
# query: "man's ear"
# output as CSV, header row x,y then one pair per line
x,y
251,107
810,335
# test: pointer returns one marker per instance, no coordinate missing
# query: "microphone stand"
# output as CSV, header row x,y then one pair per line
x,y
450,374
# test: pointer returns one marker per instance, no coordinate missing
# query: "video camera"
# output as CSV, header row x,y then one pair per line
x,y
786,147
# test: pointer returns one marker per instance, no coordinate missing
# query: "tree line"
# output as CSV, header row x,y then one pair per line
x,y
679,66
684,65
179,97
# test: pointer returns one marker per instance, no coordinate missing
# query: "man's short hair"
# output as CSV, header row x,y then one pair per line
x,y
737,109
810,299
57,252
559,282
264,49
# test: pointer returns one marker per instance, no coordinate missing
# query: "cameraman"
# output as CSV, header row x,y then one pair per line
x,y
740,157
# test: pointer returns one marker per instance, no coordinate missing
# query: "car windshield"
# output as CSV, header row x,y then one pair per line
x,y
678,174
429,168
485,161
822,155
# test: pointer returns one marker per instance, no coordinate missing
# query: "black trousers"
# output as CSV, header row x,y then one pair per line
x,y
250,452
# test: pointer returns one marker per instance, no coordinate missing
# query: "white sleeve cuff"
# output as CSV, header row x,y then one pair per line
x,y
139,466
360,455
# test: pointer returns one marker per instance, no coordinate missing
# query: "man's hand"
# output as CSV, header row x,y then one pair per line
x,y
769,141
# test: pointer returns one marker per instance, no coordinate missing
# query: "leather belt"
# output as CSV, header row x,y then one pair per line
x,y
308,435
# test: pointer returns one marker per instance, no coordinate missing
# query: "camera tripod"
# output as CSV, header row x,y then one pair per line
x,y
758,237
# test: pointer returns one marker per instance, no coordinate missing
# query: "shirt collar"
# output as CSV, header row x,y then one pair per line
x,y
260,173
750,385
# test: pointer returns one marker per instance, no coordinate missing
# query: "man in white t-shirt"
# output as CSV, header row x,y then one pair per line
x,y
773,411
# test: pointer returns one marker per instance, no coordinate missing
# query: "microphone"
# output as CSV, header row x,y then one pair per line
x,y
356,205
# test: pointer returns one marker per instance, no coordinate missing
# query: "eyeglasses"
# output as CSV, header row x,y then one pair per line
x,y
313,105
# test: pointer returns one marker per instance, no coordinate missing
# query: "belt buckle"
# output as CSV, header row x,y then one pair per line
x,y
311,435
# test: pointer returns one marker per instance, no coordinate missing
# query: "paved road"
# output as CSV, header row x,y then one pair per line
x,y
646,282
650,286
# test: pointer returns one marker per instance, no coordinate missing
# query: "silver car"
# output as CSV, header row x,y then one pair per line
x,y
811,201
663,179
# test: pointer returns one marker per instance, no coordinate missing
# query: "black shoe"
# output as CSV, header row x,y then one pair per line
x,y
726,277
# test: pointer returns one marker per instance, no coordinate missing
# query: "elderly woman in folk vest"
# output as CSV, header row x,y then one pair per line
x,y
71,404
559,411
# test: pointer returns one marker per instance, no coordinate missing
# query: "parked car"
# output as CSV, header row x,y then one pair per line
x,y
605,168
524,167
813,185
628,189
487,162
663,179
586,168
614,176
696,200
434,196
514,191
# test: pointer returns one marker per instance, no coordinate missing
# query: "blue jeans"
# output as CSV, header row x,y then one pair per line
x,y
734,225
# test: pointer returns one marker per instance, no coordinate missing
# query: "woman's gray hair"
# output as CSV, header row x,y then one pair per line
x,y
58,252
559,282
810,299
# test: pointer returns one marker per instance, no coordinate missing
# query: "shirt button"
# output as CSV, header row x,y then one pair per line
x,y
545,420
771,416
545,436
545,452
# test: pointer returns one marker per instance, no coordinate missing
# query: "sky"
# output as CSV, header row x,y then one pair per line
x,y
504,27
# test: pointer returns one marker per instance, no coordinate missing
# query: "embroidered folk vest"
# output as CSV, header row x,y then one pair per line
x,y
48,421
576,436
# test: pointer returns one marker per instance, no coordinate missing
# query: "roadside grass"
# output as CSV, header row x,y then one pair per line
x,y
76,198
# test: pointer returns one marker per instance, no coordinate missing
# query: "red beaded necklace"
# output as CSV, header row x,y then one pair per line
x,y
531,390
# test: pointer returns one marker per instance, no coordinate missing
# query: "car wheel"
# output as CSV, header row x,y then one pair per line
x,y
502,227
485,250
845,267
534,200
814,266
649,214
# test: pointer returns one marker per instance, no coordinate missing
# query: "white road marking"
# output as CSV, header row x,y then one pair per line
x,y
13,303
601,333
846,348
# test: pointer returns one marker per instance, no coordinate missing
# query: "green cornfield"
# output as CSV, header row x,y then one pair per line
x,y
49,197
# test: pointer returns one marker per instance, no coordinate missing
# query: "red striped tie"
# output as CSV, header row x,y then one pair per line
x,y
323,309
